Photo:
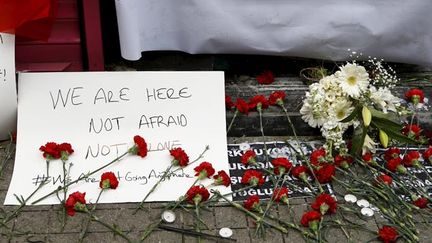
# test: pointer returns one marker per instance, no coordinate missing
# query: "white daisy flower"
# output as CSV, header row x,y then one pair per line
x,y
341,109
353,79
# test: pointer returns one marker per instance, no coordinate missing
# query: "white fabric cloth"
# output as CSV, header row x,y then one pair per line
x,y
396,30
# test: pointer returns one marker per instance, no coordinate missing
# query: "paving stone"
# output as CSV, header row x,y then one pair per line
x,y
164,237
124,218
241,235
293,236
34,222
188,219
230,217
72,225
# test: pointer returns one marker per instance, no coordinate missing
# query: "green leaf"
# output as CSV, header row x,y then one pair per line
x,y
358,140
382,115
354,114
393,130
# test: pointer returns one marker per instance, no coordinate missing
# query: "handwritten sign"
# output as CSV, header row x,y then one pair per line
x,y
99,114
8,97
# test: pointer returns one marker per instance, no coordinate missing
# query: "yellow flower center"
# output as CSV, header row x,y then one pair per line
x,y
352,80
340,114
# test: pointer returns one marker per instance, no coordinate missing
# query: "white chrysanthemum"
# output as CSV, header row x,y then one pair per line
x,y
333,132
353,79
383,99
312,109
310,115
340,109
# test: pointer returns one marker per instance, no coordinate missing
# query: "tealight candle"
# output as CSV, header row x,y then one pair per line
x,y
350,198
168,216
244,146
367,212
363,203
225,232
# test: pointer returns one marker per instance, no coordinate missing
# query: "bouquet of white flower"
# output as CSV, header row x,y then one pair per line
x,y
355,97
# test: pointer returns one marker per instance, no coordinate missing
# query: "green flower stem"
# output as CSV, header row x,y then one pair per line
x,y
23,203
250,214
291,226
79,179
292,128
87,224
154,187
272,199
114,229
262,134
152,227
232,120
399,184
197,226
213,198
8,151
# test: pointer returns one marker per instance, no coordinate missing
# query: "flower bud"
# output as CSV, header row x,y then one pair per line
x,y
383,138
367,116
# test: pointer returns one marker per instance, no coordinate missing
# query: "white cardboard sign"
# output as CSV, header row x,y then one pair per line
x,y
99,114
8,97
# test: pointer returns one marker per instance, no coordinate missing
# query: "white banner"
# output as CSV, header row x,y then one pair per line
x,y
396,30
100,113
8,94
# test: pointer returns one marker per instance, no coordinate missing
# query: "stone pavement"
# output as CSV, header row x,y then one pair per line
x,y
42,223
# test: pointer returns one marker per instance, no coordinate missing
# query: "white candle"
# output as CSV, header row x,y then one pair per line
x,y
350,198
225,232
363,203
168,216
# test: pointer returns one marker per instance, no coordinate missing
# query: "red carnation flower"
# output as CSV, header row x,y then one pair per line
x,y
281,165
252,203
75,202
317,156
391,153
228,102
203,170
300,172
258,102
50,151
180,157
427,155
394,165
412,159
242,106
325,173
368,159
310,219
343,161
56,151
249,157
197,194
280,194
222,178
108,180
385,179
415,96
253,178
421,202
265,77
387,234
325,204
140,147
412,131
276,98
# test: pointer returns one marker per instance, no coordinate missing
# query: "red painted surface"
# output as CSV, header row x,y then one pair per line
x,y
64,49
92,27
